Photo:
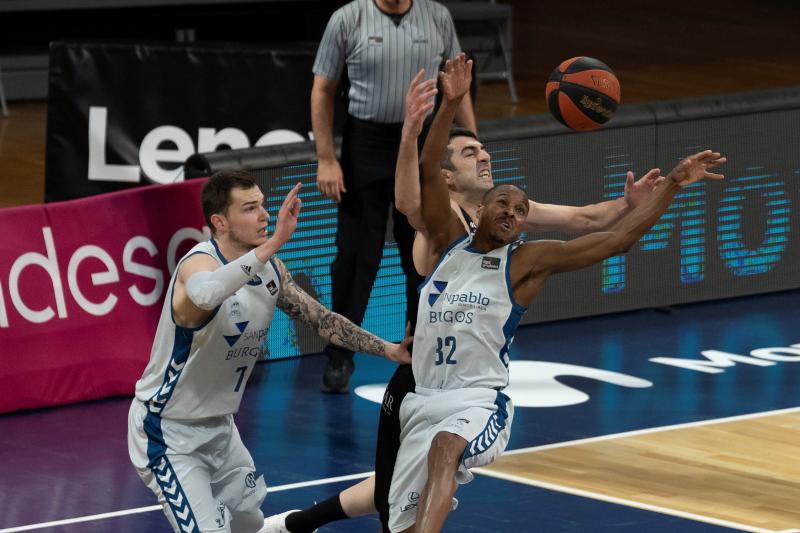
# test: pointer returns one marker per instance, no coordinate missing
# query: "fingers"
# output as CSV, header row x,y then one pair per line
x,y
713,176
291,197
418,77
651,174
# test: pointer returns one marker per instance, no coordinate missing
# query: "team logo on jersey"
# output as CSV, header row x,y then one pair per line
x,y
436,291
490,263
250,480
272,287
413,500
231,339
255,280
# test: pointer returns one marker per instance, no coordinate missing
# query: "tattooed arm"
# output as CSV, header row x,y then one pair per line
x,y
331,326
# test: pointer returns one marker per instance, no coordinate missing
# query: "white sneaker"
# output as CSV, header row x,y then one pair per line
x,y
277,523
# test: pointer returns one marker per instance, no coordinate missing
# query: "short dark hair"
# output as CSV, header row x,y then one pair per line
x,y
487,196
447,158
216,194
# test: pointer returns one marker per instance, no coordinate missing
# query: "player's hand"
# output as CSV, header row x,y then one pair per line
x,y
399,352
330,180
695,167
418,103
637,191
456,77
287,216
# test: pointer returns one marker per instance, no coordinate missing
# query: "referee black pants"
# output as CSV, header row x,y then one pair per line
x,y
369,157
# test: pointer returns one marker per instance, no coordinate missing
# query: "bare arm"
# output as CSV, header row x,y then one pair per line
x,y
535,261
594,217
406,181
465,115
440,222
296,303
330,180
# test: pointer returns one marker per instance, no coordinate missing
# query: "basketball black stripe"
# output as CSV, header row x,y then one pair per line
x,y
586,63
595,105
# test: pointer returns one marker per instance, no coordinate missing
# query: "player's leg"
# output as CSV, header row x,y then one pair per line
x,y
235,483
163,453
388,442
351,502
436,500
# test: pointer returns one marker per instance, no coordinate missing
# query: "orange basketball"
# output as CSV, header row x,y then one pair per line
x,y
582,93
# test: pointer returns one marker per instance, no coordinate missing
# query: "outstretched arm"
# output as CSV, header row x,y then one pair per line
x,y
594,217
535,261
406,179
331,326
440,222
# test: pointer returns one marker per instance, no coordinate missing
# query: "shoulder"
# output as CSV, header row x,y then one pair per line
x,y
439,12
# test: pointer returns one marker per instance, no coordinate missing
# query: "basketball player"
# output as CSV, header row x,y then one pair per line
x,y
467,170
181,435
479,287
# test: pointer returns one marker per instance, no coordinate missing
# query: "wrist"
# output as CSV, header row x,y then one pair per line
x,y
264,252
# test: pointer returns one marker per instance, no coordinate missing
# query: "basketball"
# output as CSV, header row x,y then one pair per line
x,y
582,93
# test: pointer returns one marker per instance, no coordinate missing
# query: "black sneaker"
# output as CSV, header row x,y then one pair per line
x,y
336,379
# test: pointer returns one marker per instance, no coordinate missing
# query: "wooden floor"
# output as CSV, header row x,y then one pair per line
x,y
659,51
745,471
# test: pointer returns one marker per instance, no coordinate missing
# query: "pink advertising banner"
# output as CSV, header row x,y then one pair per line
x,y
81,288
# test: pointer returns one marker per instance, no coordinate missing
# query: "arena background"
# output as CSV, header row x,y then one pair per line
x,y
702,249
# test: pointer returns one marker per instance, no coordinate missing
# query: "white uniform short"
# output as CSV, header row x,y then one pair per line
x,y
481,416
200,470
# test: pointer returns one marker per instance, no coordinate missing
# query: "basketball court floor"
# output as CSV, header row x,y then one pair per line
x,y
678,420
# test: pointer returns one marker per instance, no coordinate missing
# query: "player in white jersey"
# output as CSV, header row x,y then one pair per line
x,y
470,305
213,328
468,172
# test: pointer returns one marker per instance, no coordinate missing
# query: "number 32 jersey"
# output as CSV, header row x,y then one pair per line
x,y
466,320
202,372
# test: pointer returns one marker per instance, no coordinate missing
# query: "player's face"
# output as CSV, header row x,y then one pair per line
x,y
473,165
503,215
247,217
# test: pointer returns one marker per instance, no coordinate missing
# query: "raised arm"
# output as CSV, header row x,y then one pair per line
x,y
594,217
202,284
406,180
331,326
440,222
535,261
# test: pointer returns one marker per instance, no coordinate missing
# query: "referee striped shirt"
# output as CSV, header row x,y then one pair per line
x,y
381,56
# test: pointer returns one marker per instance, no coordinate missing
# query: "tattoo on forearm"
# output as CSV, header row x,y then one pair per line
x,y
296,303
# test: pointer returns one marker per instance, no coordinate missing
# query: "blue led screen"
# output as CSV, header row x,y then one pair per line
x,y
717,239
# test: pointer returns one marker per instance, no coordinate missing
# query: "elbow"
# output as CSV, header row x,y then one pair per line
x,y
407,206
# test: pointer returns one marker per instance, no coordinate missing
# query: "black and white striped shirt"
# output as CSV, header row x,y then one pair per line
x,y
382,57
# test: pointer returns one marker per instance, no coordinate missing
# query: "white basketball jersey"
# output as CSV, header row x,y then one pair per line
x,y
466,320
201,372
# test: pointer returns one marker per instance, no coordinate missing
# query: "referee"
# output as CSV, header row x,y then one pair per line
x,y
383,43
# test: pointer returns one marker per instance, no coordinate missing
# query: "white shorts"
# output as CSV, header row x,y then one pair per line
x,y
481,416
202,474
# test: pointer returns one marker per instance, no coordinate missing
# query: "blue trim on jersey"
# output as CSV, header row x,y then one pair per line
x,y
180,355
216,247
508,332
495,425
517,307
442,258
